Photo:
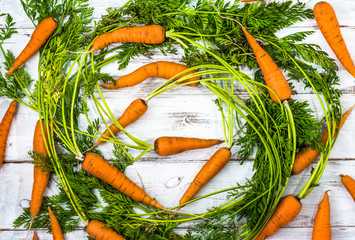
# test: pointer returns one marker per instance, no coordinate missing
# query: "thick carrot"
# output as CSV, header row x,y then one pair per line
x,y
100,168
55,227
40,35
151,34
213,166
5,126
134,111
40,177
160,69
273,76
173,145
329,26
321,228
306,157
99,231
349,184
35,237
287,209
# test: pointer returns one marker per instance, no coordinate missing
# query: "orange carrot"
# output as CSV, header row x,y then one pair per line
x,y
306,157
55,227
40,35
35,237
160,69
321,228
349,184
5,126
100,168
173,145
134,111
99,231
287,209
151,34
40,177
329,26
213,166
273,76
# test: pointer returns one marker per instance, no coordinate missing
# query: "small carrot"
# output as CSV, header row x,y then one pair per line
x,y
55,227
349,184
99,231
213,166
35,237
151,34
40,35
5,126
321,228
100,168
40,177
273,76
329,26
160,69
173,145
132,113
287,209
306,157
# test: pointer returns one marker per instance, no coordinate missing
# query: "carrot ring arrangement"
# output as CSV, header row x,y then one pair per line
x,y
260,113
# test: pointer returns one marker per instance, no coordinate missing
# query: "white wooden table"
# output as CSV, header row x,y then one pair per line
x,y
183,112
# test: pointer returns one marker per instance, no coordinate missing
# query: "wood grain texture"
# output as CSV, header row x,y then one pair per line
x,y
186,112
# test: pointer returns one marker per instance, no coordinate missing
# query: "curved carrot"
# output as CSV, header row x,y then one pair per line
x,y
151,34
55,227
306,157
35,237
99,231
100,168
349,184
40,177
213,166
287,209
173,145
273,76
329,26
40,35
132,113
321,228
160,69
5,126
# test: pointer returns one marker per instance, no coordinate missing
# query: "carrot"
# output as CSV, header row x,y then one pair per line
x,y
214,165
40,177
160,69
321,228
100,168
55,227
306,157
287,209
99,231
329,26
273,76
151,34
39,36
5,126
349,184
173,145
35,237
134,111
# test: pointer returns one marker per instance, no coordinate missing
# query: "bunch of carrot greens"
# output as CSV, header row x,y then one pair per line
x,y
218,49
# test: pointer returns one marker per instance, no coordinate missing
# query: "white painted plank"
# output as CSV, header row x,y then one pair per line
x,y
167,115
42,235
167,181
